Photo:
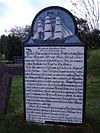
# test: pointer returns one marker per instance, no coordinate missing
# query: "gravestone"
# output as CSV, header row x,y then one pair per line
x,y
17,59
54,69
5,86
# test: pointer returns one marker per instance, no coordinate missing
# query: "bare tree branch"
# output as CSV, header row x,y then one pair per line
x,y
90,10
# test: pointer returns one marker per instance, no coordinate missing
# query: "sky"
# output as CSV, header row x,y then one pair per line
x,y
22,12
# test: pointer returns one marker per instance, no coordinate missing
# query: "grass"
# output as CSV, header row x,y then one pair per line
x,y
93,103
94,63
13,121
16,96
93,90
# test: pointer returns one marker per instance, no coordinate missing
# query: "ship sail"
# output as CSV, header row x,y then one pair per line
x,y
50,31
47,29
66,31
61,32
58,29
39,32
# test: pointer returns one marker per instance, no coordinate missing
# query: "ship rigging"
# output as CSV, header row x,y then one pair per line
x,y
57,32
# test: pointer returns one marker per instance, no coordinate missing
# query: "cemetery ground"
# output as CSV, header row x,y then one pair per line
x,y
13,121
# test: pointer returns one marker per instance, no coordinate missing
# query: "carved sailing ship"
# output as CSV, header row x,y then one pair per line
x,y
57,32
39,33
61,32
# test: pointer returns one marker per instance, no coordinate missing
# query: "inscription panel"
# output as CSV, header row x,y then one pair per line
x,y
54,78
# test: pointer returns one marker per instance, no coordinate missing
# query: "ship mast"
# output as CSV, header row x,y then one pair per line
x,y
47,28
61,32
38,34
58,29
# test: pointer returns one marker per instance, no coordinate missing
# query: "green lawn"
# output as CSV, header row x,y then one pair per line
x,y
13,121
93,90
93,103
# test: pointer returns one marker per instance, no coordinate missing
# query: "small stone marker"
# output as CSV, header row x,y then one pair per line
x,y
5,86
54,69
17,59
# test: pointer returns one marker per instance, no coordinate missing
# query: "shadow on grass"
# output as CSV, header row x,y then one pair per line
x,y
13,121
15,124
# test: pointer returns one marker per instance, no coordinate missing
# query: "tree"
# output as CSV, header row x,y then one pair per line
x,y
92,39
88,10
3,44
14,39
13,47
88,21
20,32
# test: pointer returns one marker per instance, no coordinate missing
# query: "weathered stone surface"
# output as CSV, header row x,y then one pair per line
x,y
15,69
5,86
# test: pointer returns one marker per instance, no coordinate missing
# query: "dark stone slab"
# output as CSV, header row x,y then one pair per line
x,y
15,69
17,59
5,86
